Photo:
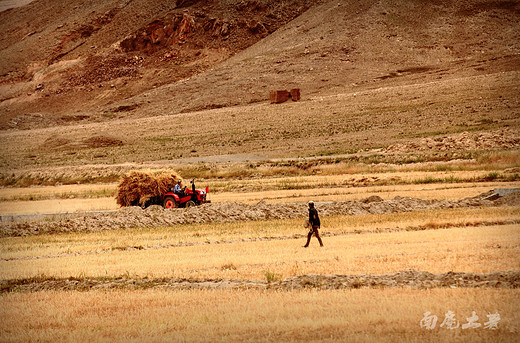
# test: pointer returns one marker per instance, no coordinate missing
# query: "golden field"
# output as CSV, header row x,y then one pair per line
x,y
476,250
470,240
466,249
365,315
473,240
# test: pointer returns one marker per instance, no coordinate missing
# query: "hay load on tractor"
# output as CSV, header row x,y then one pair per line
x,y
145,188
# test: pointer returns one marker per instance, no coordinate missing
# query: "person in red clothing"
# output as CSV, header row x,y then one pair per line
x,y
314,221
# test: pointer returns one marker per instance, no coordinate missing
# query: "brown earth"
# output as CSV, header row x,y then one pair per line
x,y
77,78
58,143
411,279
156,216
406,279
7,4
512,199
506,139
79,56
80,60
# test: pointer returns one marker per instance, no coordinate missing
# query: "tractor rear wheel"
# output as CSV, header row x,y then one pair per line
x,y
169,202
190,203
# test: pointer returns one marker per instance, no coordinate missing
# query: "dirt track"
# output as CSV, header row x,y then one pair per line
x,y
156,216
408,279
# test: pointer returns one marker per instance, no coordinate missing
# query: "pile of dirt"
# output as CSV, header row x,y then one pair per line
x,y
499,139
138,187
56,142
409,279
156,216
512,199
406,279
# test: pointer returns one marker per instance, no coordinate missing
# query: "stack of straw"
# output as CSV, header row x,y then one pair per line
x,y
138,187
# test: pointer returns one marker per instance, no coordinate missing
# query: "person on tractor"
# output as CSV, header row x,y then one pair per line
x,y
178,189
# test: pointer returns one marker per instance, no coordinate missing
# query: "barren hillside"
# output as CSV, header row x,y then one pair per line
x,y
348,46
68,61
64,61
111,82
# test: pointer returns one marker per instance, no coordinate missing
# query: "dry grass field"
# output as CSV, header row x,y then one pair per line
x,y
434,241
365,315
477,240
227,281
471,249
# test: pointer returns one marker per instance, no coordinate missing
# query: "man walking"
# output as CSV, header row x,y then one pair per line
x,y
314,221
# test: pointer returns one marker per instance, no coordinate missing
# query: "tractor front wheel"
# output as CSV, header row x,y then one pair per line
x,y
190,203
169,202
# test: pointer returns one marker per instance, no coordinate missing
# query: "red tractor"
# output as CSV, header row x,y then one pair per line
x,y
186,198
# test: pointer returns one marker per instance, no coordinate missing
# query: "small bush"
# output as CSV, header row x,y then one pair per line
x,y
272,277
357,283
513,177
228,266
491,176
427,179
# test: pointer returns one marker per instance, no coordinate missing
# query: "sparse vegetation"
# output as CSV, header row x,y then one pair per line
x,y
498,161
491,176
272,276
228,266
328,176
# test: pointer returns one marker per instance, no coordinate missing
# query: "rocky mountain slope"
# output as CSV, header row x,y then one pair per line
x,y
64,60
79,61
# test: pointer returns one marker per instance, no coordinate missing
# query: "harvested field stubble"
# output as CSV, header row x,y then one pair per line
x,y
481,249
138,187
360,315
105,242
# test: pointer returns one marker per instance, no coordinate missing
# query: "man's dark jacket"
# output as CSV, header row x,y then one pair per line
x,y
314,219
